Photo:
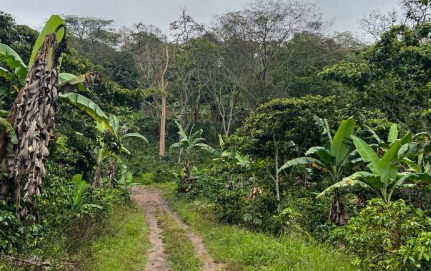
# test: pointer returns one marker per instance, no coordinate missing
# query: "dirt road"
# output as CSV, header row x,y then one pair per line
x,y
151,203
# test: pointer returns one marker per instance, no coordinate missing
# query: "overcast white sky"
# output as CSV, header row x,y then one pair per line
x,y
162,12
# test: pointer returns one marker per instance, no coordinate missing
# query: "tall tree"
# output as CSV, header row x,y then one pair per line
x,y
151,51
267,25
188,95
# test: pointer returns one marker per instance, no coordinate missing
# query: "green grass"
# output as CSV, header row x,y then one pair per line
x,y
118,242
177,245
250,251
123,244
145,178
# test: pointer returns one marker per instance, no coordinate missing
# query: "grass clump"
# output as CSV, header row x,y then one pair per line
x,y
177,245
122,245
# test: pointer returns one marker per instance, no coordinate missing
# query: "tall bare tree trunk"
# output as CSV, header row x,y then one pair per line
x,y
163,86
277,174
162,145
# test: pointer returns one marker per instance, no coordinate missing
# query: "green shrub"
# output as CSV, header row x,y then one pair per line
x,y
146,178
389,236
417,252
229,206
305,212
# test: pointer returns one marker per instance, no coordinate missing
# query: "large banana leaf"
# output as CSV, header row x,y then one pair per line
x,y
339,146
51,26
387,169
323,154
242,160
209,149
81,82
115,123
324,126
136,135
412,165
367,154
181,131
80,186
175,146
393,133
221,141
64,78
102,154
89,107
375,136
403,177
301,161
425,177
348,181
14,62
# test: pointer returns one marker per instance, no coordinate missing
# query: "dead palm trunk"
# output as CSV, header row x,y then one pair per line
x,y
338,213
32,117
186,176
111,172
97,182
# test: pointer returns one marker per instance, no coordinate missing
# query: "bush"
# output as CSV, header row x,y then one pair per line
x,y
146,178
389,236
229,206
305,212
14,234
288,120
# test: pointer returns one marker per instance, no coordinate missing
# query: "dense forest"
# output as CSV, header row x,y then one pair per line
x,y
263,136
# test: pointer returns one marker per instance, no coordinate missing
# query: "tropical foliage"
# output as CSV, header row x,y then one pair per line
x,y
272,125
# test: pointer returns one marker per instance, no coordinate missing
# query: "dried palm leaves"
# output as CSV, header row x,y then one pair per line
x,y
338,213
32,117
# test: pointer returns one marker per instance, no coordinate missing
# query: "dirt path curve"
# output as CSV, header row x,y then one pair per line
x,y
151,202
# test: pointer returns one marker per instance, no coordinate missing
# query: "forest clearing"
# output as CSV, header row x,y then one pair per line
x,y
258,138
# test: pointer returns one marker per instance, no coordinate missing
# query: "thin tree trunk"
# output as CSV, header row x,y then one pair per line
x,y
162,146
277,174
163,86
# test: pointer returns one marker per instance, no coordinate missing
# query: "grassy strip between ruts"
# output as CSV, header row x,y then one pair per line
x,y
123,244
250,251
177,245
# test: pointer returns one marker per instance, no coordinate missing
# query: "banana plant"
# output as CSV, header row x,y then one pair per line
x,y
78,200
226,155
187,144
417,157
18,70
392,137
38,88
388,173
120,132
333,159
102,153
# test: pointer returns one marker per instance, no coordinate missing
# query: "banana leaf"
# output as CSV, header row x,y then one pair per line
x,y
89,107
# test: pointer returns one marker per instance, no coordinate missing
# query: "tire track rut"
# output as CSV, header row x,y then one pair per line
x,y
151,203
